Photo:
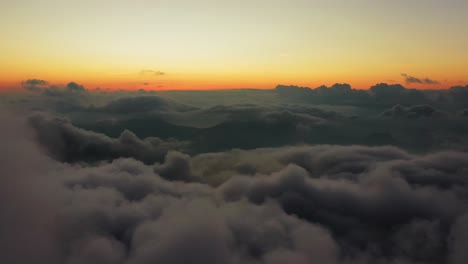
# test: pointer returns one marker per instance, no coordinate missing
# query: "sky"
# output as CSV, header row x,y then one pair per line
x,y
207,44
285,174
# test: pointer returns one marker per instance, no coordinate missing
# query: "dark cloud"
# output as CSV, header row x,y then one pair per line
x,y
412,79
32,84
326,204
224,127
343,94
43,87
36,82
430,81
459,240
176,167
338,93
397,94
416,111
122,212
68,143
75,88
28,197
70,92
100,181
459,91
379,95
357,194
219,122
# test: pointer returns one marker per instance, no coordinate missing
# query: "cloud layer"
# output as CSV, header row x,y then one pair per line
x,y
68,143
292,175
326,204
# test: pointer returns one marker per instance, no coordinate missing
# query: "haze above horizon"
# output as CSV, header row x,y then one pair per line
x,y
225,44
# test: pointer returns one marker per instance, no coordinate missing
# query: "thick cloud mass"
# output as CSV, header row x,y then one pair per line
x,y
416,111
28,195
33,85
379,95
66,142
329,175
309,204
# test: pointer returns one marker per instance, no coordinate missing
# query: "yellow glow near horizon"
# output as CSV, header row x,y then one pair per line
x,y
233,44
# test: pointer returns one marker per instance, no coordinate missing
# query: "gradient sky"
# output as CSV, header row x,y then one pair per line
x,y
232,44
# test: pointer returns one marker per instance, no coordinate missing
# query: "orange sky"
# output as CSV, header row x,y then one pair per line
x,y
233,44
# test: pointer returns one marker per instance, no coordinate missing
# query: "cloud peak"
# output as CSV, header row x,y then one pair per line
x,y
32,84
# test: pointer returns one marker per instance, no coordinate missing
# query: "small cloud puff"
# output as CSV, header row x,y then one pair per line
x,y
412,79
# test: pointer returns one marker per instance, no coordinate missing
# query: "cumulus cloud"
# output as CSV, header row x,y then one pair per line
x,y
381,94
412,79
176,167
326,204
68,143
218,122
33,85
74,87
71,89
219,128
136,198
336,94
365,195
36,82
459,240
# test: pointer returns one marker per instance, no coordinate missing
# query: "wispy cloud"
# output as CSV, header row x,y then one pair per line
x,y
412,79
141,73
152,72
